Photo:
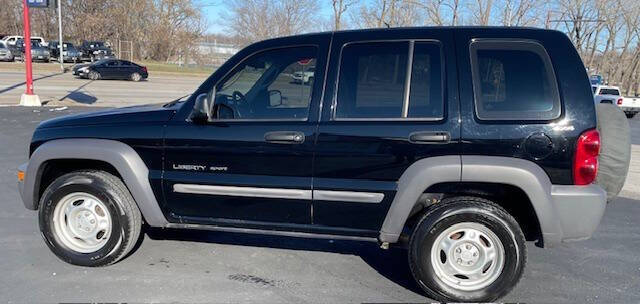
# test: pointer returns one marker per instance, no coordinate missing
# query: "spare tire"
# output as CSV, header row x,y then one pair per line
x,y
615,151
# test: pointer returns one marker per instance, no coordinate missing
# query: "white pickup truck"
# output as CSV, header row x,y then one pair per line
x,y
611,94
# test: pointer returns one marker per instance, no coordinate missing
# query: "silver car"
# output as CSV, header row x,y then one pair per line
x,y
5,53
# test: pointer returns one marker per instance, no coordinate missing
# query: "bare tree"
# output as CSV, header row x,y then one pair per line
x,y
339,8
443,12
255,20
387,13
520,12
482,12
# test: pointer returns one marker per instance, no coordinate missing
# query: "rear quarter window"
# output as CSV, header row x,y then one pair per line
x,y
513,80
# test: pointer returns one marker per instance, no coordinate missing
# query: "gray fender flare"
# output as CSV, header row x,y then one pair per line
x,y
527,176
122,157
413,182
523,174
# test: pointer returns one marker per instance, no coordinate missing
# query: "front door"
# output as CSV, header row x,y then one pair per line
x,y
252,164
392,100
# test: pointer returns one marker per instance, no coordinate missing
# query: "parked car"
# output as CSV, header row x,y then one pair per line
x,y
113,69
69,52
38,52
630,105
11,40
5,52
305,76
611,94
475,144
96,50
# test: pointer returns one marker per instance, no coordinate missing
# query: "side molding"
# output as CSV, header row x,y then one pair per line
x,y
128,163
417,178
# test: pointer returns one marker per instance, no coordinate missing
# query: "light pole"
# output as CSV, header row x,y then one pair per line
x,y
60,43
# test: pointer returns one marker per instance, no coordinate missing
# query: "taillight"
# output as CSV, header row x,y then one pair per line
x,y
144,69
619,101
585,165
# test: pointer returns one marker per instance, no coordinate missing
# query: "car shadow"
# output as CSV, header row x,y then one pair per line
x,y
391,263
9,88
80,97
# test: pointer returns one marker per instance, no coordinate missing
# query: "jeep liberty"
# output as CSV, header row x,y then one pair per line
x,y
460,144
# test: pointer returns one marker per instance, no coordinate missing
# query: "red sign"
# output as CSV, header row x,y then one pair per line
x,y
304,61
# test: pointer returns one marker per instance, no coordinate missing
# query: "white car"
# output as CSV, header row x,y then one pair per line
x,y
11,40
611,94
304,77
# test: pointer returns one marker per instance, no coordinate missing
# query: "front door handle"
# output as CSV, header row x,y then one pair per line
x,y
284,137
430,137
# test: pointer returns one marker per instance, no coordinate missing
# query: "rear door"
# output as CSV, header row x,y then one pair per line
x,y
391,100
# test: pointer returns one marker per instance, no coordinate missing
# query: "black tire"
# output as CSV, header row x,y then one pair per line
x,y
126,219
630,115
449,212
93,75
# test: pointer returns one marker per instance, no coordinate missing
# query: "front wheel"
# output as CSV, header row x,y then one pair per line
x,y
467,249
93,75
89,218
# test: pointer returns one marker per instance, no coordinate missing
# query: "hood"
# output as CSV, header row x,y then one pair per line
x,y
128,115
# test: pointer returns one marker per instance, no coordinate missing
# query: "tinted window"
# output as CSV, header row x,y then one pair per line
x,y
111,63
125,63
425,98
609,92
373,77
513,81
274,84
372,80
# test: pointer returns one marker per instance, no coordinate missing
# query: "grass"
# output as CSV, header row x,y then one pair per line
x,y
152,66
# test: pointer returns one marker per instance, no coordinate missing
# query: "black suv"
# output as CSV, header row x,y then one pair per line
x,y
459,143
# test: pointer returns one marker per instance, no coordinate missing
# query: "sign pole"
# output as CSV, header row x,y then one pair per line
x,y
60,43
28,98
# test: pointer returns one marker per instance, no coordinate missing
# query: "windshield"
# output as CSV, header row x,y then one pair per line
x,y
96,44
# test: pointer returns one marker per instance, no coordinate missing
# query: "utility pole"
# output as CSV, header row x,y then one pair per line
x,y
60,43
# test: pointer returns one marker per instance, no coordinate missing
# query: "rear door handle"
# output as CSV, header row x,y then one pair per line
x,y
430,137
284,137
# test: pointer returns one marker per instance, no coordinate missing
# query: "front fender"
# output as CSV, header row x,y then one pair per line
x,y
123,158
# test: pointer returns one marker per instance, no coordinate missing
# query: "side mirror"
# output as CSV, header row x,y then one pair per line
x,y
275,98
201,109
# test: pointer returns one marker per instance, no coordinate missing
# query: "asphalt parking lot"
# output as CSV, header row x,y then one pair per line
x,y
64,89
191,266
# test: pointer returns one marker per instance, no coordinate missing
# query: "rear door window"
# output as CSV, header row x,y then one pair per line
x,y
513,80
390,80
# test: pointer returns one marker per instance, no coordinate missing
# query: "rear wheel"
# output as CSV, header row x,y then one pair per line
x,y
630,115
89,218
135,77
467,249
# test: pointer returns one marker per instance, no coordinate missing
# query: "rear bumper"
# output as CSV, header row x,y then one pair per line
x,y
630,109
578,211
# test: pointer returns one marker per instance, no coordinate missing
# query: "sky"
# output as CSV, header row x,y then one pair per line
x,y
213,8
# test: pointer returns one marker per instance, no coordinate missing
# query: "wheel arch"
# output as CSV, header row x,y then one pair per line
x,y
108,155
427,175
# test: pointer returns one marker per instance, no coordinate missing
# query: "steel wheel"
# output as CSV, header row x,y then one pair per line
x,y
82,222
136,77
467,256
